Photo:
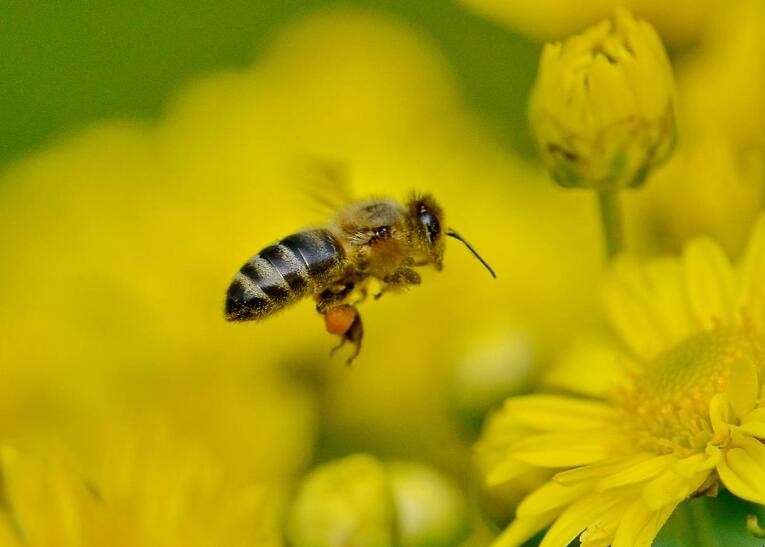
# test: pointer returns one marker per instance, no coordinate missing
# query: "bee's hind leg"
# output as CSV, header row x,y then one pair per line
x,y
345,322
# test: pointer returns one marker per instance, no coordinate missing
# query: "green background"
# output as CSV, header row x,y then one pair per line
x,y
66,64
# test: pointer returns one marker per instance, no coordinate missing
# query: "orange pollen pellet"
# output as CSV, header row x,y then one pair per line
x,y
339,320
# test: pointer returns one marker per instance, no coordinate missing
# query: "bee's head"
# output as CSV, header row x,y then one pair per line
x,y
429,231
427,224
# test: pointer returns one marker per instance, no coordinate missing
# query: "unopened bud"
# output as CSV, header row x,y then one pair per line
x,y
603,107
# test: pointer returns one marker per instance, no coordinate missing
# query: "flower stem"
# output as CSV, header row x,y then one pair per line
x,y
611,218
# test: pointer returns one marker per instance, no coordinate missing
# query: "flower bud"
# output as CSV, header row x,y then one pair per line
x,y
431,510
359,501
342,503
603,110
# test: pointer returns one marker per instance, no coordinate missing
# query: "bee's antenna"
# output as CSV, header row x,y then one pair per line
x,y
455,235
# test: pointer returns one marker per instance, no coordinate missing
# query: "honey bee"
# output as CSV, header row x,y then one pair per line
x,y
379,239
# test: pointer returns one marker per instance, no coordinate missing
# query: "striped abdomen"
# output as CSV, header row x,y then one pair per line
x,y
280,274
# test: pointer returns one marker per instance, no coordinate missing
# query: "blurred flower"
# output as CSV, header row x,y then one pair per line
x,y
690,414
602,109
360,501
143,495
679,23
721,86
431,511
493,363
709,187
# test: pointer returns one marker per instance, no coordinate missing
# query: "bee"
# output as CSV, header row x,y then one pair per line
x,y
380,239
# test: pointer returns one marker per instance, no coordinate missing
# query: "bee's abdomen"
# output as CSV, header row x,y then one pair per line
x,y
280,274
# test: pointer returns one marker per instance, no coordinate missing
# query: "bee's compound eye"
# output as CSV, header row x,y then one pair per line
x,y
431,224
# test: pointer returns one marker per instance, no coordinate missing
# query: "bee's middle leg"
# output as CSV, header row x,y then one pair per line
x,y
403,277
333,297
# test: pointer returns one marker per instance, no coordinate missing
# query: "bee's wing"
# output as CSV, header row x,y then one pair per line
x,y
325,183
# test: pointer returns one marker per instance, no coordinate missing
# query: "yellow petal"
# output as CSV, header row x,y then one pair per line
x,y
576,518
711,283
522,529
637,473
655,522
550,412
506,471
756,415
743,386
599,470
753,447
640,525
601,532
670,299
752,293
755,429
739,479
566,449
671,487
698,463
718,415
629,306
754,423
743,464
548,497
591,367
636,517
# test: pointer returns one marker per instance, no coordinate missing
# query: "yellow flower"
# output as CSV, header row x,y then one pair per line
x,y
146,493
602,109
689,416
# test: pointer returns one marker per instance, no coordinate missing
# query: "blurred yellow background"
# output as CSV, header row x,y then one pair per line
x,y
130,409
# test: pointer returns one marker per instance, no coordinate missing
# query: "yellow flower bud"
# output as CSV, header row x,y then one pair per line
x,y
342,503
603,110
431,510
359,501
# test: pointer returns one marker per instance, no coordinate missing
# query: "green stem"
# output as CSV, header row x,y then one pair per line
x,y
701,522
611,218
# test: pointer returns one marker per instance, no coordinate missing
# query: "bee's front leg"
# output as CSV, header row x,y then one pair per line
x,y
403,277
345,322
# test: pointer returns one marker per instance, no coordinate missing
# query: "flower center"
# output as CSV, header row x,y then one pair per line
x,y
668,405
